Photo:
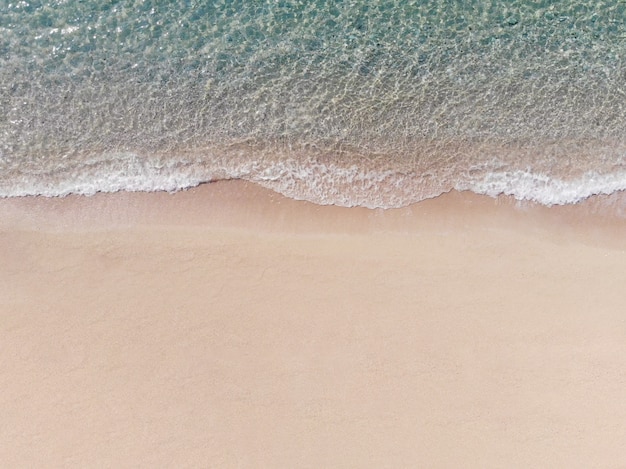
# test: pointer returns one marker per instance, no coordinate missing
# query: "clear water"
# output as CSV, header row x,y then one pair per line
x,y
377,103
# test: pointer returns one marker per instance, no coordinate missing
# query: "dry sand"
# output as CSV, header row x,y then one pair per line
x,y
227,326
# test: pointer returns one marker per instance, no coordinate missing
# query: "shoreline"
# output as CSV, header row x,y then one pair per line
x,y
238,204
230,326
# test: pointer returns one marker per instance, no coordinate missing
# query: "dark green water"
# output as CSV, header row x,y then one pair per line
x,y
377,103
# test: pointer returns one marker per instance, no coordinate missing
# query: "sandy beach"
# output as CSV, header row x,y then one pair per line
x,y
228,326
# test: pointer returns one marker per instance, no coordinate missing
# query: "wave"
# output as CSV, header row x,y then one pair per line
x,y
371,183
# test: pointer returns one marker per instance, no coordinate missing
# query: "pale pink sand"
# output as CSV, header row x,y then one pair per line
x,y
228,326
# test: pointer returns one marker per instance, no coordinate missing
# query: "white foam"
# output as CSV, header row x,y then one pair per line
x,y
118,172
544,189
354,186
346,186
321,183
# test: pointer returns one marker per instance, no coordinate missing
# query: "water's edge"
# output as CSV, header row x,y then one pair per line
x,y
324,179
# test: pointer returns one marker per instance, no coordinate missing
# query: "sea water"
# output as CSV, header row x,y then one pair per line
x,y
378,103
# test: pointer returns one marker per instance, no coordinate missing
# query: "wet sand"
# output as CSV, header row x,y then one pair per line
x,y
228,326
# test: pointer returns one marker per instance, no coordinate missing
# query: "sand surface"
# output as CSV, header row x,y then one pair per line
x,y
228,326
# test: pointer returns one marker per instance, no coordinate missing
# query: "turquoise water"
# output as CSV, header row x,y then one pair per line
x,y
377,103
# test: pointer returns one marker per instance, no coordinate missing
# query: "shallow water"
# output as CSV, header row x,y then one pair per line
x,y
377,103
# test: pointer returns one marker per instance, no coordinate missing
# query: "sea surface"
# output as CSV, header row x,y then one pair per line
x,y
378,103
